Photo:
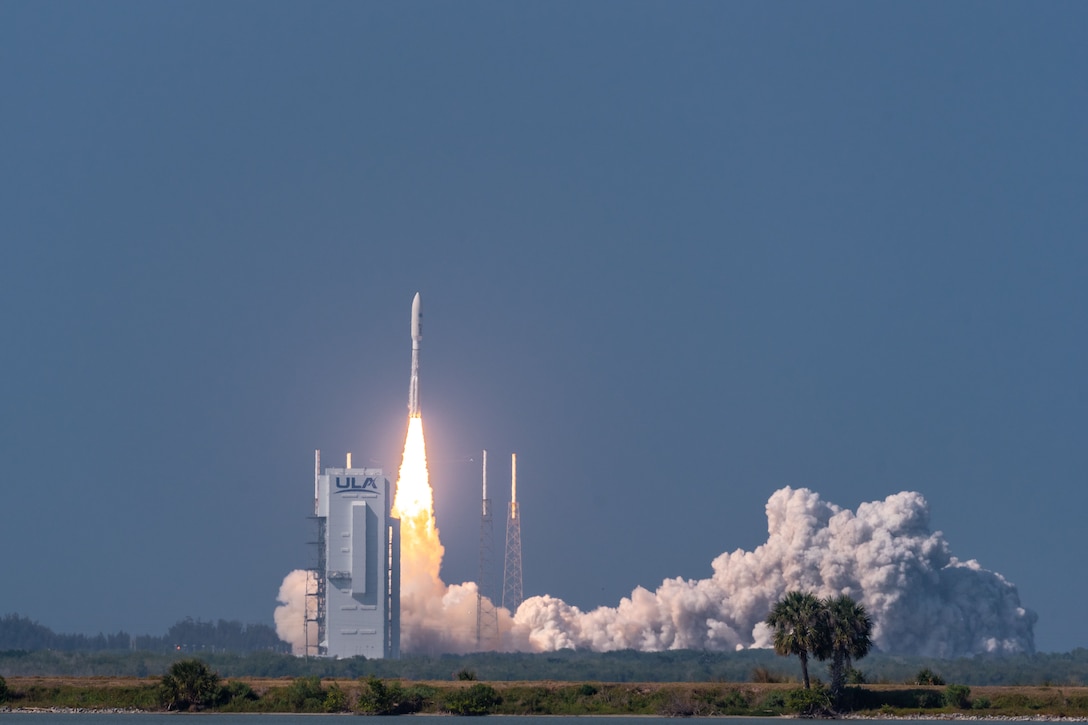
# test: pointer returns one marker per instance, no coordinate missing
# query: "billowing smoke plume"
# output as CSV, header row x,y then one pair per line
x,y
291,616
922,599
435,617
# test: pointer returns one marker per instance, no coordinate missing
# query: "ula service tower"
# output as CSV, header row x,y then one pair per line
x,y
358,549
358,563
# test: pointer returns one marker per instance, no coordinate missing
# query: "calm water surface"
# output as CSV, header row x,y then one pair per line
x,y
46,718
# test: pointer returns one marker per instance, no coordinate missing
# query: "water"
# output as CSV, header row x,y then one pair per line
x,y
159,718
49,718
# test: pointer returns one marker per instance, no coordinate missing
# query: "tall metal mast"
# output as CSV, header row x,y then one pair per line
x,y
487,618
511,578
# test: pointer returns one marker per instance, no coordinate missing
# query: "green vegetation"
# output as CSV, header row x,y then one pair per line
x,y
677,666
190,685
796,621
809,702
3,690
187,635
480,699
195,686
305,695
836,628
849,629
927,676
957,697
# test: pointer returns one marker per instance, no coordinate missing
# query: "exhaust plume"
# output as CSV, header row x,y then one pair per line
x,y
291,616
923,600
435,617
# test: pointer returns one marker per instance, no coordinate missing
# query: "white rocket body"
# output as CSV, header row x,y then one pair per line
x,y
417,338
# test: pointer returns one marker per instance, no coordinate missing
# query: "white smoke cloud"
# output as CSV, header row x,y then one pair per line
x,y
439,618
291,615
922,599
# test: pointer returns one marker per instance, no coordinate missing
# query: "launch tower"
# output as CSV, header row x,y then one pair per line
x,y
487,619
358,578
511,578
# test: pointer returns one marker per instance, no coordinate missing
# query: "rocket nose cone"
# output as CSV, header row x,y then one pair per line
x,y
417,315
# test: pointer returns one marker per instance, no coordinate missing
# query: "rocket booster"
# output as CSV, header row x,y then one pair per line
x,y
417,338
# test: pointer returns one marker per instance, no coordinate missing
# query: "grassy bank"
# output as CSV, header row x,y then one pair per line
x,y
388,696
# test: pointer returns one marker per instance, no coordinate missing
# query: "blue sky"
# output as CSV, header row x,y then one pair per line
x,y
675,255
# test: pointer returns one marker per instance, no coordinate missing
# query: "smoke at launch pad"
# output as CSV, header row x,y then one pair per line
x,y
923,600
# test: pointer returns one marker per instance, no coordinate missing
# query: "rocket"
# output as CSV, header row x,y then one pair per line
x,y
417,338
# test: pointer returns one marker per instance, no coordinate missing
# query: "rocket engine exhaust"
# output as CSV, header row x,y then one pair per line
x,y
923,600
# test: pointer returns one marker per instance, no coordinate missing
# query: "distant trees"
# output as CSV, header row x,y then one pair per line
x,y
836,628
187,635
927,676
222,636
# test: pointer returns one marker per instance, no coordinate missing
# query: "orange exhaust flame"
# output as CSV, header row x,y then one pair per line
x,y
435,617
413,504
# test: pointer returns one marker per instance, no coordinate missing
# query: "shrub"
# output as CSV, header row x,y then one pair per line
x,y
336,700
475,700
375,698
774,702
465,675
239,691
411,699
305,695
189,685
678,705
980,703
926,699
956,696
733,702
587,690
813,702
3,690
1016,702
927,676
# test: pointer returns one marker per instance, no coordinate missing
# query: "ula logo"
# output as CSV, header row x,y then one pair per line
x,y
349,483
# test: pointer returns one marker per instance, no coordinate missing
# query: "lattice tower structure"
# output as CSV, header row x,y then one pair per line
x,y
511,578
487,617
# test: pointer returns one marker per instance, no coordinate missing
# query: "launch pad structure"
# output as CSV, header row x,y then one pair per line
x,y
511,577
353,594
487,617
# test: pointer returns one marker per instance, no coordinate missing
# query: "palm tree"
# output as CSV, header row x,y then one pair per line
x,y
189,685
799,628
848,629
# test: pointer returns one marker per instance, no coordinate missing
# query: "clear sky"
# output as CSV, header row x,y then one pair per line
x,y
675,255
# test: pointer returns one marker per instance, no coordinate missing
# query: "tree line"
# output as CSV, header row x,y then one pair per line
x,y
1058,669
19,633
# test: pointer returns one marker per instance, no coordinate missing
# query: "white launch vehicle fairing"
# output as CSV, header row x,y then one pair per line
x,y
417,338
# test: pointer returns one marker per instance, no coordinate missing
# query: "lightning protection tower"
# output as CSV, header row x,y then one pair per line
x,y
487,618
511,578
314,609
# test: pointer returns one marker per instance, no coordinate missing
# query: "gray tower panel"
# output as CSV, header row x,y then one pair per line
x,y
362,547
